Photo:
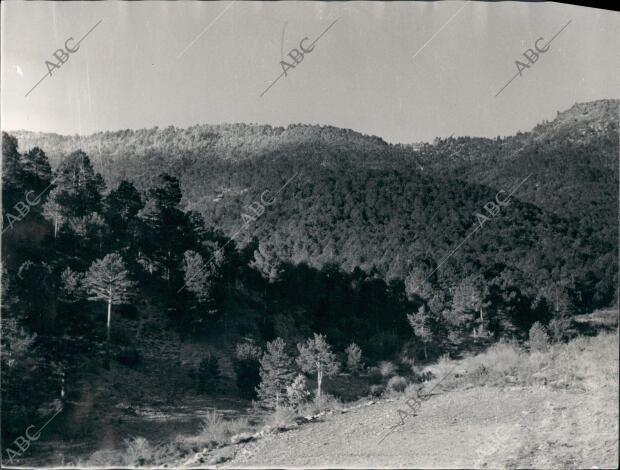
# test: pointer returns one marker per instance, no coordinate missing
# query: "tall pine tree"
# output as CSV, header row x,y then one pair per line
x,y
276,373
108,280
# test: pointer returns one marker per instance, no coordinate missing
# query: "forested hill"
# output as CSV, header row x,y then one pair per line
x,y
360,202
353,236
574,157
204,143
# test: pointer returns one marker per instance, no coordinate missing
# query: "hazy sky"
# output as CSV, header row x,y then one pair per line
x,y
403,71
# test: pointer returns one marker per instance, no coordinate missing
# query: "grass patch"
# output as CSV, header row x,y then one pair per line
x,y
582,363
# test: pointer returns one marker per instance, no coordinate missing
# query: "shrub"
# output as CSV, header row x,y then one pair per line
x,y
376,390
138,452
413,390
216,430
406,361
208,374
439,370
558,327
354,358
283,417
538,338
297,393
387,369
325,402
213,427
397,384
348,387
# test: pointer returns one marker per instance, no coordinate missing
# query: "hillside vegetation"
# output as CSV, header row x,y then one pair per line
x,y
229,255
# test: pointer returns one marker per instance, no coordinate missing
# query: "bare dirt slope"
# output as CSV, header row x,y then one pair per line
x,y
525,427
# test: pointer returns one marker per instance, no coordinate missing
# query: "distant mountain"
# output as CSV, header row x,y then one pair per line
x,y
236,142
574,159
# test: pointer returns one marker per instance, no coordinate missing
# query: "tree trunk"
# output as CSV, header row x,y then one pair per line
x,y
62,386
319,379
425,353
107,359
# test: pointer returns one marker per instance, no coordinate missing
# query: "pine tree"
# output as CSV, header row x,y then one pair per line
x,y
37,170
108,280
468,301
418,284
12,188
354,358
121,208
316,356
71,285
167,228
276,373
297,392
538,338
52,211
198,276
421,323
40,309
267,263
78,189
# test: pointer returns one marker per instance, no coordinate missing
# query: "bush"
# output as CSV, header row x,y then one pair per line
x,y
138,452
406,362
397,384
213,427
216,430
354,358
419,374
558,327
297,393
325,402
538,338
387,369
412,390
376,390
283,417
208,374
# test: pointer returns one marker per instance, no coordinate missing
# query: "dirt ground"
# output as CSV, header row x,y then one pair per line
x,y
482,427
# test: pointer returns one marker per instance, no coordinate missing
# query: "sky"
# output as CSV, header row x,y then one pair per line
x,y
404,71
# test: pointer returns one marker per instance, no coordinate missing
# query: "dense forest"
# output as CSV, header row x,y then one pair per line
x,y
232,235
